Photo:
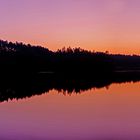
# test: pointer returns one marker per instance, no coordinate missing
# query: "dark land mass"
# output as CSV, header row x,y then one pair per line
x,y
18,58
27,70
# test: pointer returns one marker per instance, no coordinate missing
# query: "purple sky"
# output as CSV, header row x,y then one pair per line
x,y
111,25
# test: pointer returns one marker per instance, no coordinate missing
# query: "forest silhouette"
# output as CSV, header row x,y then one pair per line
x,y
18,58
28,70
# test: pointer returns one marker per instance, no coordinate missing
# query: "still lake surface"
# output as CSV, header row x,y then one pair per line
x,y
109,113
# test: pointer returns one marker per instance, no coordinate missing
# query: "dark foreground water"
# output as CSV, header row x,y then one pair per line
x,y
109,113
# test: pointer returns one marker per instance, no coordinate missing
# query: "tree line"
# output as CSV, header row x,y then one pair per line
x,y
20,58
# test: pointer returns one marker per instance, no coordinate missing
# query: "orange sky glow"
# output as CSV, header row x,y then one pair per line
x,y
100,25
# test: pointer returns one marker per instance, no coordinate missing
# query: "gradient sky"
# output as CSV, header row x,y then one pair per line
x,y
101,25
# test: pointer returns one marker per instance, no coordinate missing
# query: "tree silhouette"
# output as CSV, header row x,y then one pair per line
x,y
19,58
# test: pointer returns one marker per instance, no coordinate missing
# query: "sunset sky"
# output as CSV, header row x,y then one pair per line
x,y
102,25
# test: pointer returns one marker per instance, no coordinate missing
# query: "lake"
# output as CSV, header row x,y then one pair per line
x,y
109,113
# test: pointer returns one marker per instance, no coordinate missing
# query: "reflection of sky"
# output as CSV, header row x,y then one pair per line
x,y
102,114
92,24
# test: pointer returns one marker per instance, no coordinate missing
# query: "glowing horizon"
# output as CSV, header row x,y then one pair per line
x,y
90,24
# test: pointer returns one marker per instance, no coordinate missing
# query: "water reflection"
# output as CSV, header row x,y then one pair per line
x,y
26,86
111,114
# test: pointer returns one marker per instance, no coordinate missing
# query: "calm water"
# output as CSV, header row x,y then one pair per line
x,y
111,113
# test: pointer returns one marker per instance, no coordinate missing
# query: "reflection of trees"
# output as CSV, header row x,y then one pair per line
x,y
18,88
